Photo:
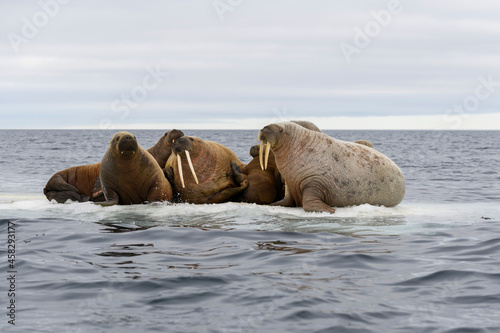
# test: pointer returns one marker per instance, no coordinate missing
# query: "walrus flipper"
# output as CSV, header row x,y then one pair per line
x,y
170,175
237,174
63,196
111,196
287,201
311,202
226,194
58,183
97,193
157,191
60,190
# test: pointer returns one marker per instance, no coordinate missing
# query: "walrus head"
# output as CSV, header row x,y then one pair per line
x,y
125,145
169,138
254,151
184,145
268,137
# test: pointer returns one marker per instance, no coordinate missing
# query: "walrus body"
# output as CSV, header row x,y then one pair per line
x,y
322,172
130,175
76,183
81,183
264,186
210,180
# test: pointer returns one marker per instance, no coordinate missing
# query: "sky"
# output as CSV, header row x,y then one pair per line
x,y
241,64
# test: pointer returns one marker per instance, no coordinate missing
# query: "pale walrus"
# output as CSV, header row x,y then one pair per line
x,y
322,172
130,174
205,176
265,185
81,183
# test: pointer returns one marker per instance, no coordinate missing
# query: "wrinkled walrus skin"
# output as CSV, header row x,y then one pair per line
x,y
130,174
212,165
75,183
81,183
322,172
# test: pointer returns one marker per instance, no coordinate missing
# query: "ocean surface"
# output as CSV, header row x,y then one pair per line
x,y
431,264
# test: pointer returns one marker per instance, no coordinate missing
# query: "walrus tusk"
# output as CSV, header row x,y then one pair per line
x,y
179,166
191,166
268,148
261,154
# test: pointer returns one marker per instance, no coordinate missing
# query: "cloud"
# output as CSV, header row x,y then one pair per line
x,y
264,55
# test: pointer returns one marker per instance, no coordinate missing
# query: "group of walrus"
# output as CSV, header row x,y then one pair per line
x,y
295,165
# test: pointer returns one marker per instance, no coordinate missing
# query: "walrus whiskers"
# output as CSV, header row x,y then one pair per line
x,y
179,165
191,166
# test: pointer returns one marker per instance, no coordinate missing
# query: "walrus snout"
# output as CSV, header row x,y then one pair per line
x,y
124,144
127,144
268,136
184,144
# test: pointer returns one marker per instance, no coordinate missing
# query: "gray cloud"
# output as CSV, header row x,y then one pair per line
x,y
264,55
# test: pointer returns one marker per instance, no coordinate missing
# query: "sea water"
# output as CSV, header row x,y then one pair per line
x,y
431,264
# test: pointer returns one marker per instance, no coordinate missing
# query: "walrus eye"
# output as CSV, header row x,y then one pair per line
x,y
117,138
191,139
281,130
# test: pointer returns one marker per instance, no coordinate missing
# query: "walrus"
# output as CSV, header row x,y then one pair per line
x,y
129,174
77,183
81,183
311,126
322,172
207,176
364,142
307,124
264,186
163,148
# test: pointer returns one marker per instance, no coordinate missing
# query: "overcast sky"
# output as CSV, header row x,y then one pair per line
x,y
243,64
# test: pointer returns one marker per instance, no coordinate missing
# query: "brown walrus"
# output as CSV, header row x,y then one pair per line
x,y
322,172
76,183
81,183
264,186
163,148
207,176
130,174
